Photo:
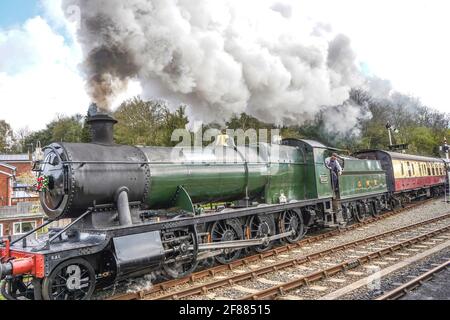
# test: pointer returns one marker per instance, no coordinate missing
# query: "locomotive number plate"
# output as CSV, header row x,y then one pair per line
x,y
323,178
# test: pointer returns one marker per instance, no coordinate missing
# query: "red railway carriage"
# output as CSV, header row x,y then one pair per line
x,y
406,173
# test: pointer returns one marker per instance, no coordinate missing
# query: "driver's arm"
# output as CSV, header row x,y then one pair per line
x,y
339,167
327,164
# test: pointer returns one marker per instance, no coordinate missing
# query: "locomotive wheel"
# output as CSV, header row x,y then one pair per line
x,y
374,209
183,261
392,204
71,280
21,288
227,230
292,220
260,226
359,212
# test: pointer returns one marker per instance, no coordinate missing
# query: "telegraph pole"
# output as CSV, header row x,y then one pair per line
x,y
445,148
397,147
389,128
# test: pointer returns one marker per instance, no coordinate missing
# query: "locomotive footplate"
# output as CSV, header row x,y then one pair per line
x,y
118,231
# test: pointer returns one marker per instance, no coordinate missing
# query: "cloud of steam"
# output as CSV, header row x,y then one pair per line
x,y
221,57
382,90
345,120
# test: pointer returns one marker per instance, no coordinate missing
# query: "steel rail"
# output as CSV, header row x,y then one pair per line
x,y
211,272
404,289
281,289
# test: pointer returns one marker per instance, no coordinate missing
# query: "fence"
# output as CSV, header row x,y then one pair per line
x,y
22,209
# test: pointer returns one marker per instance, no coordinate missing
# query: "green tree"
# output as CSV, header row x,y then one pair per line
x,y
149,123
68,129
62,129
6,137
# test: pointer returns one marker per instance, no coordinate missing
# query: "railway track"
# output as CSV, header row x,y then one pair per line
x,y
325,273
208,278
247,281
404,289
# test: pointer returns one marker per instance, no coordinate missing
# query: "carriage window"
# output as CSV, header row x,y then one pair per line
x,y
429,170
432,171
409,169
403,169
413,169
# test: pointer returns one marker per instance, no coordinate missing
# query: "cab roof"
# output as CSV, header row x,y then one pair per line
x,y
312,144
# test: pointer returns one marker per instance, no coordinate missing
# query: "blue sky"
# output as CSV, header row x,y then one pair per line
x,y
14,12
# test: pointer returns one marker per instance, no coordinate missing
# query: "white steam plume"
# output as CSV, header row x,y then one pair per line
x,y
221,57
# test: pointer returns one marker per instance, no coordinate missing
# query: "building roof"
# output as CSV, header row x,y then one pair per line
x,y
14,158
18,194
8,166
22,185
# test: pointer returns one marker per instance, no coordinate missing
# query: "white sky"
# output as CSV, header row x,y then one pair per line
x,y
405,41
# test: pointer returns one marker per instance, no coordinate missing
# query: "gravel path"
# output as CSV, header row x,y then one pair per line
x,y
405,275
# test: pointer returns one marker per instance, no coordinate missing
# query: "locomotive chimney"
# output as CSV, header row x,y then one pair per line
x,y
102,126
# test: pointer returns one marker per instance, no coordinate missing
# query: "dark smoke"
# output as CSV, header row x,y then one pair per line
x,y
108,70
222,57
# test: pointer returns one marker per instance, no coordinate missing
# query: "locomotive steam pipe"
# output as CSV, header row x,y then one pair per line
x,y
123,207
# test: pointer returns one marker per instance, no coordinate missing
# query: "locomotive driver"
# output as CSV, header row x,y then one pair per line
x,y
334,166
332,163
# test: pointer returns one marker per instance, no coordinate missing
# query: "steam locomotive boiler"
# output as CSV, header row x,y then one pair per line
x,y
136,210
150,178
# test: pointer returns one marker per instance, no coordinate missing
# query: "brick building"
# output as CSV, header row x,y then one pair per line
x,y
20,211
22,162
16,171
7,179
